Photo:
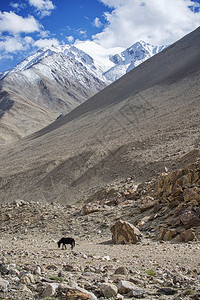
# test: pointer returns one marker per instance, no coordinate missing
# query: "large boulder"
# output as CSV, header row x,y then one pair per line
x,y
125,233
191,194
187,235
190,218
148,203
170,234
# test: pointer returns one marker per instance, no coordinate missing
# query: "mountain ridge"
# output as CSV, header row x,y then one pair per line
x,y
129,58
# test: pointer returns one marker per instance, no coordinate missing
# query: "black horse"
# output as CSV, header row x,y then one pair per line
x,y
65,241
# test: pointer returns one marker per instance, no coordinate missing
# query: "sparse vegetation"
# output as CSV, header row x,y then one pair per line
x,y
56,278
189,292
150,273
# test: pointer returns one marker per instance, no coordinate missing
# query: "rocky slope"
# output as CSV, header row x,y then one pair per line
x,y
165,209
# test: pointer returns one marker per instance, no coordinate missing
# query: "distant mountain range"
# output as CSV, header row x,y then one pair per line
x,y
54,81
122,62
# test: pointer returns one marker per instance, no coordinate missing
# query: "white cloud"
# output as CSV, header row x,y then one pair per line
x,y
13,23
114,3
83,33
14,5
17,6
43,7
153,21
12,44
46,43
44,33
6,56
70,39
15,44
97,23
98,52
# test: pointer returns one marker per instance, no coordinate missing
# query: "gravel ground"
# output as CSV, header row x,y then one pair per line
x,y
151,265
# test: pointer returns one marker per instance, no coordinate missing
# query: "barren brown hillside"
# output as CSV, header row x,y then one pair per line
x,y
136,127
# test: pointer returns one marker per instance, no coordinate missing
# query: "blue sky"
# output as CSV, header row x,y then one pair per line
x,y
27,25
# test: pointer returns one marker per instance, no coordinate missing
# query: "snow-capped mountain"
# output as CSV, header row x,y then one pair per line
x,y
119,63
131,58
55,80
70,53
51,82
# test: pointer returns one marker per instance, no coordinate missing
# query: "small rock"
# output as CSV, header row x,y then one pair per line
x,y
124,287
73,291
77,295
107,257
37,270
3,285
119,297
52,267
137,281
27,279
89,209
121,270
50,290
6,217
108,290
80,294
69,268
136,293
23,288
3,269
14,272
167,291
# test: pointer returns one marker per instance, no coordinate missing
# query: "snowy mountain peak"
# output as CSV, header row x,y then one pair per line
x,y
69,51
136,52
131,58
